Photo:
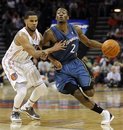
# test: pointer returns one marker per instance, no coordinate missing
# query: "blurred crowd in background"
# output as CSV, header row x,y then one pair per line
x,y
105,71
13,12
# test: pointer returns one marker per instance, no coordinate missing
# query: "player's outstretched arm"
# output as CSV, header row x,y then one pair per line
x,y
57,46
88,42
22,39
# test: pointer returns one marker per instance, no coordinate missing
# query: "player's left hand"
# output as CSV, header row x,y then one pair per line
x,y
58,65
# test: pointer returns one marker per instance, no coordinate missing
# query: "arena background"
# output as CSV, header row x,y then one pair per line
x,y
100,20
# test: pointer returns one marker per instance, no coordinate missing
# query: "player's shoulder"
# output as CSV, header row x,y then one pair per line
x,y
21,32
49,30
78,29
20,35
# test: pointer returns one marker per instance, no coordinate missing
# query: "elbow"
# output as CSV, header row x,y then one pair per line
x,y
88,44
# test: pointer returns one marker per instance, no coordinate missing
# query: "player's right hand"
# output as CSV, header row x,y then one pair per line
x,y
44,55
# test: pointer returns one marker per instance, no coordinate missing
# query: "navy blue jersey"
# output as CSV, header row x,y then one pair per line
x,y
64,56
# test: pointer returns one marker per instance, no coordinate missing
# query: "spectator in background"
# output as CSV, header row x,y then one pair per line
x,y
102,9
112,22
11,3
17,21
119,64
104,63
8,29
113,78
73,9
119,32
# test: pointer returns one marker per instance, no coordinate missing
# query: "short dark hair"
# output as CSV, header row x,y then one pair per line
x,y
29,13
62,8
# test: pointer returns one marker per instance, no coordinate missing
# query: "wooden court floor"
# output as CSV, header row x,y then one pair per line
x,y
63,112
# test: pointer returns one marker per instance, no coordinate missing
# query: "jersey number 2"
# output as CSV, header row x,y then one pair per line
x,y
73,49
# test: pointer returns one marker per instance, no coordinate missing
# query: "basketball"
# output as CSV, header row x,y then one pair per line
x,y
110,48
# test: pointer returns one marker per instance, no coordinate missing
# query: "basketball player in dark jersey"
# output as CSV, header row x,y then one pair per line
x,y
73,77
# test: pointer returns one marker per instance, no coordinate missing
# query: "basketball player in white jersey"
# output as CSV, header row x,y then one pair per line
x,y
21,71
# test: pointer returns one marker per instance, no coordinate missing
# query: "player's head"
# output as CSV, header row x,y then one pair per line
x,y
62,15
31,20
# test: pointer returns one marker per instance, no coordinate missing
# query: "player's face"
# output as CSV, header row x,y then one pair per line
x,y
32,22
62,15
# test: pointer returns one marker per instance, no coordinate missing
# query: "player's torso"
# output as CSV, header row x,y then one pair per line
x,y
72,44
17,53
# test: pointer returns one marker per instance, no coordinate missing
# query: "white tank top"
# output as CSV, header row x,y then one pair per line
x,y
17,53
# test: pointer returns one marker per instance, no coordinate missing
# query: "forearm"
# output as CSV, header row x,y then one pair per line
x,y
95,44
51,58
50,50
37,54
33,52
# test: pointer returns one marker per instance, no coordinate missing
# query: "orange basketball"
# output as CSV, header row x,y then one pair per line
x,y
110,48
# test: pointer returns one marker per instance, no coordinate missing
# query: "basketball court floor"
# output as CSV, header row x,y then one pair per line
x,y
63,112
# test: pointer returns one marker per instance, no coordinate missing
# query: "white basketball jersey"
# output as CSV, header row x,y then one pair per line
x,y
17,53
17,61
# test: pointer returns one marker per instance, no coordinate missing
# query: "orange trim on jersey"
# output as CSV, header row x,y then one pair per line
x,y
10,60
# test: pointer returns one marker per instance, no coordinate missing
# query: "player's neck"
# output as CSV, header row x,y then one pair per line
x,y
63,27
31,33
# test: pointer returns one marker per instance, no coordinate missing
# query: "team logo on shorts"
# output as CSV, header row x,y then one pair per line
x,y
14,76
